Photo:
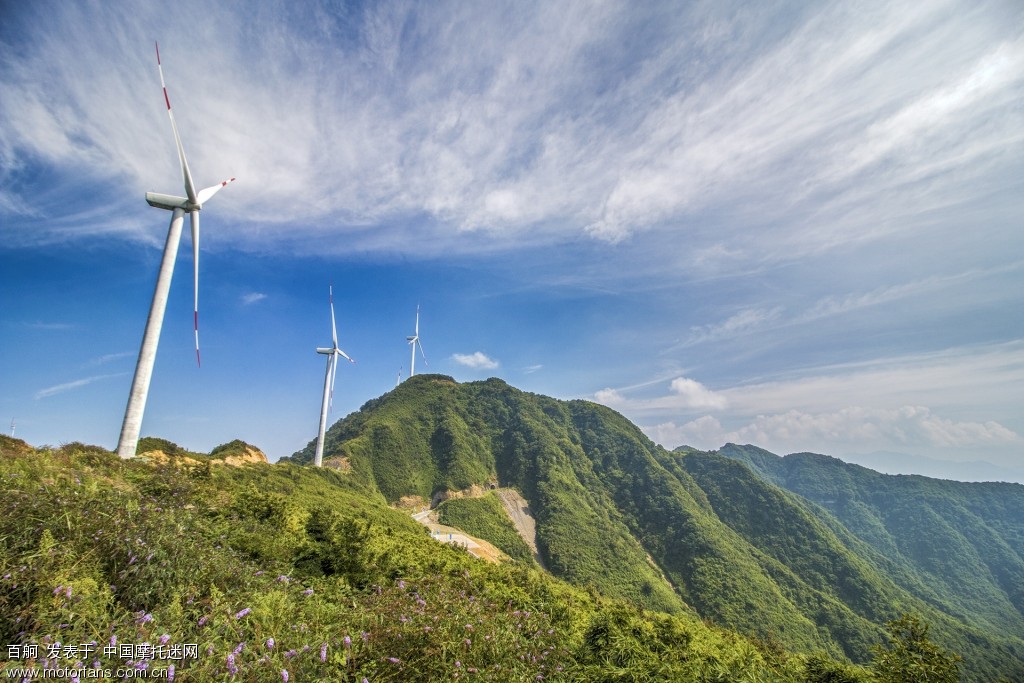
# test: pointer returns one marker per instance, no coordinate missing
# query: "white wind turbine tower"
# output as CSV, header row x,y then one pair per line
x,y
414,341
332,370
191,203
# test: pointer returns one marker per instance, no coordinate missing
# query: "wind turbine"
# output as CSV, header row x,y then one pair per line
x,y
191,203
332,370
414,341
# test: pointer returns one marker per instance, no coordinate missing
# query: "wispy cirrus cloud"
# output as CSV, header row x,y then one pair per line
x,y
108,358
76,384
38,325
800,121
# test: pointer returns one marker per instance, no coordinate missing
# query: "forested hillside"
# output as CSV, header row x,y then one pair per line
x,y
955,544
273,572
679,532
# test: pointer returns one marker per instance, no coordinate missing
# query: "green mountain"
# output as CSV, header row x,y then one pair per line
x,y
956,545
689,532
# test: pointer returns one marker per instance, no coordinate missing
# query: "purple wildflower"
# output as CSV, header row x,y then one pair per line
x,y
284,675
238,650
170,672
323,652
348,642
202,620
270,643
307,592
232,669
243,613
164,638
394,660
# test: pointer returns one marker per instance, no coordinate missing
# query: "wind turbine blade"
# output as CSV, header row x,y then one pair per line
x,y
195,278
334,327
190,188
420,344
417,320
345,355
204,195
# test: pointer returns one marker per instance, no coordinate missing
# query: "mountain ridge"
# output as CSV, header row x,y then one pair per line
x,y
675,532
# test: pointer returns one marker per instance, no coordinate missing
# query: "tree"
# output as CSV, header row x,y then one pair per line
x,y
911,657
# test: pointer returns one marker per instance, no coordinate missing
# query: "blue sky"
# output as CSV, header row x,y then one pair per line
x,y
788,224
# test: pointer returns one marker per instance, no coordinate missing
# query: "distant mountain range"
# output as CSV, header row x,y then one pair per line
x,y
805,551
890,462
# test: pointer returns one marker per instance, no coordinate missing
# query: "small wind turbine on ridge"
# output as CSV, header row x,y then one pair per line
x,y
191,204
332,370
414,341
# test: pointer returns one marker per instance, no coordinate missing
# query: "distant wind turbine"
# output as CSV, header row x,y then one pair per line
x,y
414,341
399,380
332,370
179,206
12,427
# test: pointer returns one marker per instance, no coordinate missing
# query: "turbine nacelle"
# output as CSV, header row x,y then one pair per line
x,y
170,202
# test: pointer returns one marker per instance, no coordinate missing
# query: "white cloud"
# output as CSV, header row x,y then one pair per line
x,y
686,395
610,397
852,427
68,386
695,395
476,361
109,358
530,369
744,322
519,132
253,297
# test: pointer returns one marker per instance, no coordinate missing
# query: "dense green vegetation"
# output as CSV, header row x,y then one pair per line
x,y
287,573
958,546
682,532
486,518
